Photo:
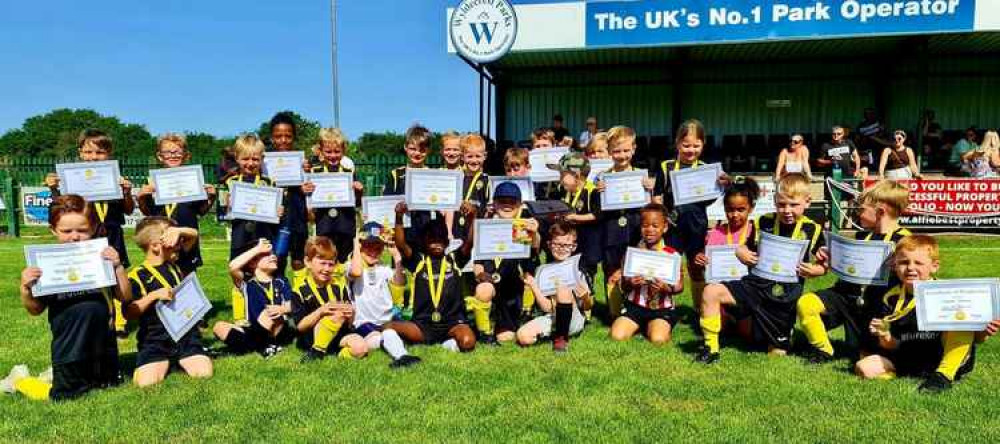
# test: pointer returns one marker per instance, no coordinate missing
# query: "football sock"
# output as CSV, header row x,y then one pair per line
x,y
120,321
527,300
33,388
711,327
957,345
393,344
810,308
481,313
239,304
564,314
345,353
397,292
450,345
323,334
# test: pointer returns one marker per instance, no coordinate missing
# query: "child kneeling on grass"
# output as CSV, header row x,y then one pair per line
x,y
939,357
377,289
84,348
564,312
322,309
152,282
268,304
648,304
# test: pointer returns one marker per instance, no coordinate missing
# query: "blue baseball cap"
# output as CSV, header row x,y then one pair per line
x,y
507,190
371,232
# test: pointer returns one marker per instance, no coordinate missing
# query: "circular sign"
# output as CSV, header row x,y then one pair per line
x,y
483,30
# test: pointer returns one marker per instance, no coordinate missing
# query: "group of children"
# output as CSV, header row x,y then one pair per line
x,y
341,299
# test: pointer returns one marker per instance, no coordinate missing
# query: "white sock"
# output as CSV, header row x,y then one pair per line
x,y
450,345
373,340
393,344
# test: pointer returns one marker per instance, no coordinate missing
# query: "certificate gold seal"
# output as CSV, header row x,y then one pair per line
x,y
188,314
330,196
72,275
852,270
627,197
178,193
88,173
434,198
699,189
960,315
733,272
252,209
281,161
502,247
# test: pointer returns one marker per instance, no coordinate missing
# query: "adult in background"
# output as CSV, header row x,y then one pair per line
x,y
970,143
558,128
934,149
871,138
840,153
898,161
588,134
794,159
983,161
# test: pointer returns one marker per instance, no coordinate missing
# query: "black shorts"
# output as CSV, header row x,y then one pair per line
x,y
926,364
305,341
151,351
254,338
843,309
508,304
643,316
436,333
770,307
343,241
74,379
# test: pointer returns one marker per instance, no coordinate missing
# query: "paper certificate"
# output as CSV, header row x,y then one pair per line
x,y
256,203
957,304
540,159
76,266
698,184
598,166
285,167
860,262
495,239
652,264
333,190
433,190
624,190
382,209
93,181
551,276
178,185
778,258
188,306
523,182
723,265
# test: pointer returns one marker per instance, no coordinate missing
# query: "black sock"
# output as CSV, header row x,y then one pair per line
x,y
564,314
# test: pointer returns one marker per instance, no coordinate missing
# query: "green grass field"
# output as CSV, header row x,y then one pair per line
x,y
600,392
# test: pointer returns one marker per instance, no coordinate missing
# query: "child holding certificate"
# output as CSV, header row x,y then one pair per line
x,y
738,200
769,304
153,281
268,304
501,295
451,150
584,204
436,287
417,148
377,290
903,350
249,152
322,309
283,133
517,163
844,303
649,302
563,312
476,184
690,220
96,146
84,349
337,224
619,228
171,152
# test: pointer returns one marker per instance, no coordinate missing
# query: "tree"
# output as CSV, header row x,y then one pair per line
x,y
202,145
307,132
55,134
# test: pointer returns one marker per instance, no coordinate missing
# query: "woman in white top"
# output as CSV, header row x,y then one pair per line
x,y
897,161
794,159
984,161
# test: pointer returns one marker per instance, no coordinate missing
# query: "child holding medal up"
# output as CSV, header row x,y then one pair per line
x,y
436,286
171,152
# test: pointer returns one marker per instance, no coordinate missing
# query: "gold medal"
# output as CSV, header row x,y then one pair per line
x,y
333,212
496,278
461,220
623,221
777,291
654,304
436,317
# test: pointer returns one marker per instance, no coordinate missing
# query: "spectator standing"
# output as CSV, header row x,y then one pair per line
x,y
588,133
558,128
870,138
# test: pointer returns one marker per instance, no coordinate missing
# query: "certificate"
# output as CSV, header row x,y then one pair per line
x,y
551,276
256,203
598,166
382,209
76,266
93,181
333,190
697,184
541,158
495,239
434,190
859,262
778,258
723,265
285,167
624,190
652,264
523,182
957,304
188,306
178,185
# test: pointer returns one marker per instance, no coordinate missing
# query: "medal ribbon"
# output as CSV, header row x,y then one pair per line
x,y
795,232
312,286
472,185
102,210
743,235
268,291
437,291
677,164
903,305
576,197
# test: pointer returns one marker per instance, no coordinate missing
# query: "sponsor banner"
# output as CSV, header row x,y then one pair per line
x,y
950,202
35,203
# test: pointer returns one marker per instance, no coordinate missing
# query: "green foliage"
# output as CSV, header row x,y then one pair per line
x,y
307,132
55,134
378,144
202,145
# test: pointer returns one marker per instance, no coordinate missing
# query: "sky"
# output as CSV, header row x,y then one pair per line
x,y
225,66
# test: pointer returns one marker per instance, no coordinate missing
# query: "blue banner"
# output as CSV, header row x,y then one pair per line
x,y
638,23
